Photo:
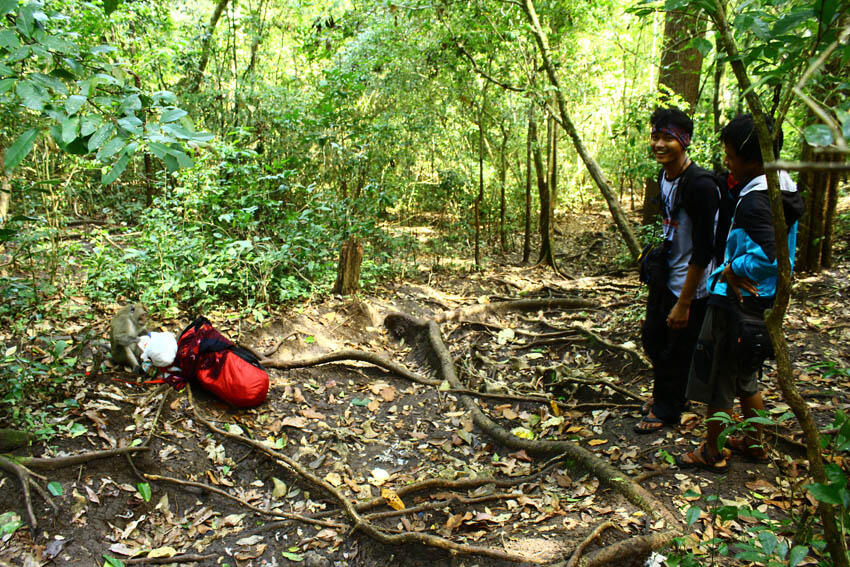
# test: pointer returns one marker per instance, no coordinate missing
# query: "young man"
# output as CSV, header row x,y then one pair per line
x,y
745,282
675,309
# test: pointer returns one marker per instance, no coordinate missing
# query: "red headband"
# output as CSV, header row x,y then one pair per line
x,y
683,137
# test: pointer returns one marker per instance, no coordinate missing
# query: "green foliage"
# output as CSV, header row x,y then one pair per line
x,y
90,103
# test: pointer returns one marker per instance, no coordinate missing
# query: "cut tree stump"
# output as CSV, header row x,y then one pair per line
x,y
348,271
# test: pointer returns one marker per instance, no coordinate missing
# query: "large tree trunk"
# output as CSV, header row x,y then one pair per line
x,y
198,73
834,538
680,64
593,168
530,134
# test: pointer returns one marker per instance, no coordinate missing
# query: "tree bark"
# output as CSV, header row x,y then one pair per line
x,y
680,64
480,197
198,74
503,174
545,226
530,135
816,231
834,539
5,197
593,168
348,270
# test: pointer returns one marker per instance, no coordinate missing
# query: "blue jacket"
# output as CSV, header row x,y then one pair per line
x,y
751,244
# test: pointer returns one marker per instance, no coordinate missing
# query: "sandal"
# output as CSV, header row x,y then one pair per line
x,y
648,424
745,447
700,458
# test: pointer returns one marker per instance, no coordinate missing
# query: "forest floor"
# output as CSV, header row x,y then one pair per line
x,y
362,430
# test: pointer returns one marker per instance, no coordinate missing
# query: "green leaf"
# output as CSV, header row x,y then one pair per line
x,y
7,6
98,138
131,124
826,494
179,131
25,21
768,541
798,553
110,6
292,556
144,490
702,45
78,429
692,515
112,561
19,149
55,488
845,129
818,135
9,523
69,130
32,96
116,170
362,402
131,103
183,160
172,114
110,148
74,103
51,83
88,125
6,85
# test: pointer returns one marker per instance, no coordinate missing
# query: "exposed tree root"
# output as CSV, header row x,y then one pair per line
x,y
631,547
414,331
516,305
576,556
565,377
351,354
25,478
639,356
359,523
440,504
54,463
258,510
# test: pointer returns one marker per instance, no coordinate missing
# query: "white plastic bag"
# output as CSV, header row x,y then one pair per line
x,y
159,348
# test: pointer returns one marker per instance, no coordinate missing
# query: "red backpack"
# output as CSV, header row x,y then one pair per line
x,y
229,372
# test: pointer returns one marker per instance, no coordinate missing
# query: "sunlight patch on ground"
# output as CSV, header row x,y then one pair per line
x,y
535,548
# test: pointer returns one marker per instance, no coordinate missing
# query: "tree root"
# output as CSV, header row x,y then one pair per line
x,y
631,547
639,356
350,354
516,305
413,330
54,463
25,478
258,510
576,556
558,371
359,523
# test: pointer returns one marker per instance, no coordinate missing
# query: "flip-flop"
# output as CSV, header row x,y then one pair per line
x,y
742,446
655,423
701,459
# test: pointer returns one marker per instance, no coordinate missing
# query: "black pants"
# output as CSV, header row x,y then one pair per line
x,y
670,351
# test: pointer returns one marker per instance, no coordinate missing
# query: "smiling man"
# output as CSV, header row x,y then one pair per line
x,y
675,309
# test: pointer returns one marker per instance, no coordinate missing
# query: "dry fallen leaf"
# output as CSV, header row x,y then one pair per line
x,y
294,421
392,499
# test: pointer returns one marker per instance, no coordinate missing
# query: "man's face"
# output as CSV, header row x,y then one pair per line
x,y
741,169
665,148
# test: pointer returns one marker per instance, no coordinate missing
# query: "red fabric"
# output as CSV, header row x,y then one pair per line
x,y
206,355
239,382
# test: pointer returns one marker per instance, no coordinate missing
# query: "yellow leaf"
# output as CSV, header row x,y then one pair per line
x,y
594,442
279,488
555,409
166,551
575,429
392,499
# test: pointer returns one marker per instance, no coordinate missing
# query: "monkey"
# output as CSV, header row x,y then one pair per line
x,y
127,325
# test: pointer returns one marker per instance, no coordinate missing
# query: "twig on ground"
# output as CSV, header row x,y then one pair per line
x,y
185,558
602,340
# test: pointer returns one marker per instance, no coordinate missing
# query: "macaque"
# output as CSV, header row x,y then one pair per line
x,y
127,325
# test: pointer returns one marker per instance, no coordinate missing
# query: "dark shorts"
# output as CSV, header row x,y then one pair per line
x,y
716,378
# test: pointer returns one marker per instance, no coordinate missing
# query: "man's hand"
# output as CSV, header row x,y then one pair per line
x,y
678,317
736,283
